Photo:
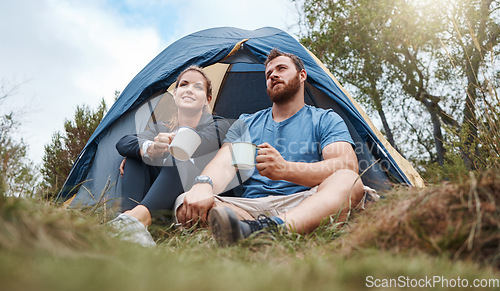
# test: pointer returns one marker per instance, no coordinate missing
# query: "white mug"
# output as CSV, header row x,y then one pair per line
x,y
243,154
185,143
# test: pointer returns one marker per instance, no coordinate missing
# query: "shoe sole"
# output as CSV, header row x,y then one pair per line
x,y
225,226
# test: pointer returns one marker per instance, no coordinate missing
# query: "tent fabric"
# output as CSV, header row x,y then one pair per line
x,y
405,166
235,59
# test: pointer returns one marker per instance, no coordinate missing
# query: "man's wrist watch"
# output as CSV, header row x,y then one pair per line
x,y
203,179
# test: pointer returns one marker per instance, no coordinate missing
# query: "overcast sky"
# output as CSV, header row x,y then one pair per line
x,y
64,53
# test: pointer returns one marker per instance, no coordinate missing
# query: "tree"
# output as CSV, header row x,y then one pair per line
x,y
17,176
408,61
64,148
477,32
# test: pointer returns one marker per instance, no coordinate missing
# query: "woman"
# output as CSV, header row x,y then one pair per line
x,y
148,183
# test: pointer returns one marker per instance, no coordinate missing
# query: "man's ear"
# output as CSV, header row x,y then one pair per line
x,y
209,98
303,75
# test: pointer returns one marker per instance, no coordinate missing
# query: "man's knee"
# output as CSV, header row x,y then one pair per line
x,y
349,178
347,182
240,212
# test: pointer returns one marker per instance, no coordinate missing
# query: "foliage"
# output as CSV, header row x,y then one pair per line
x,y
16,171
17,175
65,147
418,64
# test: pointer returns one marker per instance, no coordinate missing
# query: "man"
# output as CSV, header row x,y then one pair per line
x,y
306,167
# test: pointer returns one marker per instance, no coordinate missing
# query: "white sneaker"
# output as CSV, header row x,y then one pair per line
x,y
128,228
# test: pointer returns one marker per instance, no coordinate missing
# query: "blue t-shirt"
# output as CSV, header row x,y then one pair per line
x,y
299,138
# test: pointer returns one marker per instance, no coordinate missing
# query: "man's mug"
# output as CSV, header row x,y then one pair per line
x,y
243,155
185,143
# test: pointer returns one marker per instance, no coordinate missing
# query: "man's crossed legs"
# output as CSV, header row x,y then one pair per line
x,y
234,218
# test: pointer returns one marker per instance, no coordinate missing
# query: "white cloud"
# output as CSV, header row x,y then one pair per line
x,y
116,52
196,15
71,54
76,52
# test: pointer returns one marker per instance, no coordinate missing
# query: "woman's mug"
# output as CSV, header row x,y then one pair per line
x,y
185,143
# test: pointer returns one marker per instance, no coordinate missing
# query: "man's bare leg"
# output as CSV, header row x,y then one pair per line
x,y
336,195
242,214
340,192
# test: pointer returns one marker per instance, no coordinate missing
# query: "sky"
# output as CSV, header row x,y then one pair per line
x,y
56,55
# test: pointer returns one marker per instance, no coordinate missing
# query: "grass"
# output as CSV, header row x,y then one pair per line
x,y
454,220
131,268
44,247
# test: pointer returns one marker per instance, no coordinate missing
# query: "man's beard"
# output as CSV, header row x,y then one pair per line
x,y
284,93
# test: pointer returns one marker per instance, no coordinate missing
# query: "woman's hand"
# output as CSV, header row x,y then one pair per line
x,y
122,167
161,144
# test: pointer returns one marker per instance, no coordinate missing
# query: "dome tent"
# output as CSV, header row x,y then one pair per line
x,y
233,58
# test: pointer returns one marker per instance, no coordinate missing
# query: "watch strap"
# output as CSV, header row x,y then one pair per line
x,y
203,179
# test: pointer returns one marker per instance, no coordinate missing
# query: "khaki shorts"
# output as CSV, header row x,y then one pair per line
x,y
272,205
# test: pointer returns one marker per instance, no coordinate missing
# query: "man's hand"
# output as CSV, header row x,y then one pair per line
x,y
122,167
160,145
270,163
198,201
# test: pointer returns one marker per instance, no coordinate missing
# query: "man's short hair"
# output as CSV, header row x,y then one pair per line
x,y
299,65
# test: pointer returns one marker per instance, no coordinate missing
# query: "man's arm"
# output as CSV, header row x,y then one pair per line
x,y
337,155
220,169
200,199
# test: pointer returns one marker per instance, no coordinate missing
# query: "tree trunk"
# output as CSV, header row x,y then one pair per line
x,y
387,129
437,133
473,56
438,138
470,120
375,96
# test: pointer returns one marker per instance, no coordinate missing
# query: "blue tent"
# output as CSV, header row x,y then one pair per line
x,y
234,59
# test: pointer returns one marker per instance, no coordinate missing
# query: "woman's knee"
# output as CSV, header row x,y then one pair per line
x,y
133,166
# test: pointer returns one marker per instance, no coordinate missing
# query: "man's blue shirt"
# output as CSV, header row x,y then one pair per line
x,y
299,138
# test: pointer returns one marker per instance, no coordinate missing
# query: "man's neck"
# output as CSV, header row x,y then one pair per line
x,y
283,111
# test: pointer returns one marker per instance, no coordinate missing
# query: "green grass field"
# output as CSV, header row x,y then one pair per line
x,y
448,232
